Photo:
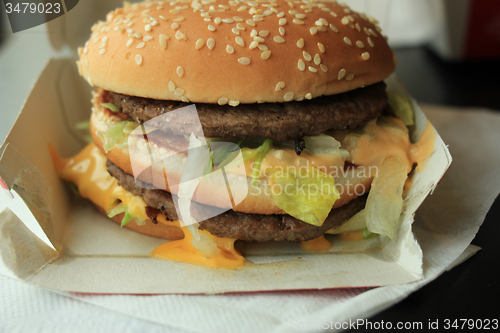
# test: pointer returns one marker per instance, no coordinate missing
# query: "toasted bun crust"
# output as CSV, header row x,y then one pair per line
x,y
159,230
170,51
212,190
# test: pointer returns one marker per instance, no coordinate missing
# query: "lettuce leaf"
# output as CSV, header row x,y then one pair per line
x,y
120,208
306,194
116,135
401,106
111,107
385,201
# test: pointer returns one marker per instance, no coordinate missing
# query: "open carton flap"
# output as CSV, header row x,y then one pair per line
x,y
97,256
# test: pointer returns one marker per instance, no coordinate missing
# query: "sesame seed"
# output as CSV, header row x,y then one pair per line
x,y
253,44
130,42
266,54
370,42
240,26
227,20
234,103
244,61
280,86
301,64
308,96
174,11
253,33
278,39
147,38
138,59
229,49
312,69
345,20
282,31
349,77
140,45
347,41
137,35
263,47
281,14
321,48
102,51
237,18
235,31
147,27
365,55
263,33
154,23
297,21
282,21
365,29
323,68
163,18
130,24
370,30
250,22
300,16
288,96
210,43
179,19
211,27
306,55
178,92
259,39
317,59
180,71
199,43
313,30
163,41
350,18
175,26
341,74
300,43
104,39
360,44
222,101
217,20
358,27
171,86
240,41
242,8
292,12
334,28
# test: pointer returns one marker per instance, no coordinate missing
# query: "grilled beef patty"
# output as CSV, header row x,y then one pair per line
x,y
276,121
248,227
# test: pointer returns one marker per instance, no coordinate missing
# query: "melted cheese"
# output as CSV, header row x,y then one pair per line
x,y
351,236
87,170
316,244
421,150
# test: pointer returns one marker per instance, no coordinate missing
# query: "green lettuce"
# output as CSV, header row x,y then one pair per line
x,y
111,107
120,208
306,194
117,135
401,106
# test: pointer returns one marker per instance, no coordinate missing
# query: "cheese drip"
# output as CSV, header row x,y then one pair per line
x,y
87,170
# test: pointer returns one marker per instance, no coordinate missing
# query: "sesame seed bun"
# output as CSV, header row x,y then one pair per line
x,y
224,52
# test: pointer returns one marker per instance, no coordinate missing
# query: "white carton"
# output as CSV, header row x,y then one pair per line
x,y
86,253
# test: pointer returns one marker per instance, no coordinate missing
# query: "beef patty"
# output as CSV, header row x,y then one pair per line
x,y
276,121
248,227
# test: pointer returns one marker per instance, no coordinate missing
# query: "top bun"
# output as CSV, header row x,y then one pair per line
x,y
235,51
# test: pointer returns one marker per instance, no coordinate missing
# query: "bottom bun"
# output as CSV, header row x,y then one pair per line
x,y
159,230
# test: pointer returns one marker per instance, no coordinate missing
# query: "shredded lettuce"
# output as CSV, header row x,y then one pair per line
x,y
111,107
401,106
117,135
120,208
306,194
385,201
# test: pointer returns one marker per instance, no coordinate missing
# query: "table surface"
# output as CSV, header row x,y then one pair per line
x,y
470,290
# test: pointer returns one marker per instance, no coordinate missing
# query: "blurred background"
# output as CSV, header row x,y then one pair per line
x,y
448,53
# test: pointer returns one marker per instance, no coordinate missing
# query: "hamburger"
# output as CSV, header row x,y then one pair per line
x,y
291,129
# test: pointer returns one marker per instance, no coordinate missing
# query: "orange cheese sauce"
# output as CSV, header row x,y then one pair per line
x,y
351,236
87,170
316,244
423,149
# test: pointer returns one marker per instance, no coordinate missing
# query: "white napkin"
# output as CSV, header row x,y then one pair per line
x,y
445,224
